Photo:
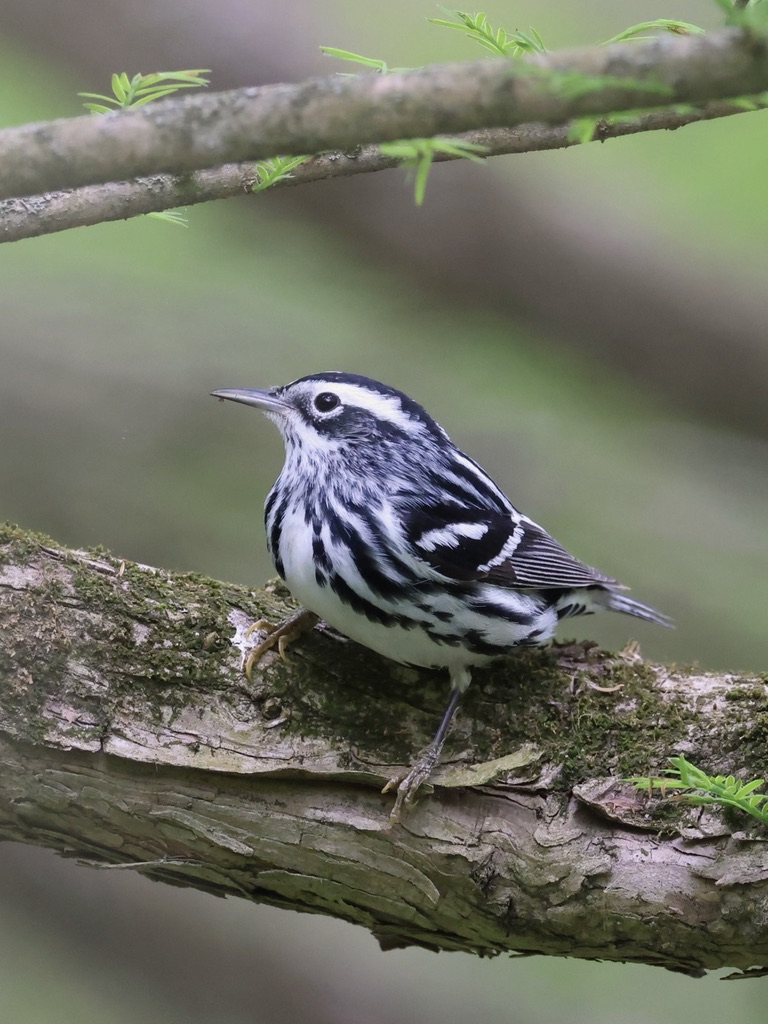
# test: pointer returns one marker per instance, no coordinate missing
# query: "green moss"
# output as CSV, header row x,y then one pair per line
x,y
527,698
751,694
630,726
170,616
17,544
617,730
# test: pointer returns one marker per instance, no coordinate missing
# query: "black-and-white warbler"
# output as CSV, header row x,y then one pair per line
x,y
385,529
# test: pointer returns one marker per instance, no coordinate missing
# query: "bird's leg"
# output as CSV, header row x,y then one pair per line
x,y
282,634
408,786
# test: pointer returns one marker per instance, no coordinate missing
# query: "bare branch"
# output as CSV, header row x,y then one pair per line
x,y
128,737
197,131
96,204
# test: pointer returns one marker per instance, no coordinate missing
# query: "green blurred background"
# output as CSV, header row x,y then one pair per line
x,y
589,324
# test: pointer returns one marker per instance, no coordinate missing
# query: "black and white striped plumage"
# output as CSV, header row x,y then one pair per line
x,y
384,528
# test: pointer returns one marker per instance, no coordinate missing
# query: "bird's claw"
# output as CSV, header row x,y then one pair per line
x,y
281,635
408,785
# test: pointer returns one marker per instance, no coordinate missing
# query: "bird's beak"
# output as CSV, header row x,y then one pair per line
x,y
263,400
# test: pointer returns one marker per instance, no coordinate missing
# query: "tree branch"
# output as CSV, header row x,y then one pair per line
x,y
97,204
198,131
129,738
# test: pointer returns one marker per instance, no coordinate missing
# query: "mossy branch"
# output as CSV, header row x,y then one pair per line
x,y
129,738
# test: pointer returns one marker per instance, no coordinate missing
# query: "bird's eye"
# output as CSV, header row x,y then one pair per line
x,y
326,401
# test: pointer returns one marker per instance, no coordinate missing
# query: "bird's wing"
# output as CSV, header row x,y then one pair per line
x,y
506,549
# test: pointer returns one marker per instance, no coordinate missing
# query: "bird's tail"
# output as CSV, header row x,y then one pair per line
x,y
615,601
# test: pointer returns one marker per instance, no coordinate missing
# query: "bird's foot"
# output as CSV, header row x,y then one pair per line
x,y
408,785
281,635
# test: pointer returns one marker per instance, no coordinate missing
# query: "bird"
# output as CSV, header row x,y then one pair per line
x,y
386,530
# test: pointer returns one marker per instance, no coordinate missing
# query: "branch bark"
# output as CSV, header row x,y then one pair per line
x,y
129,738
96,204
198,131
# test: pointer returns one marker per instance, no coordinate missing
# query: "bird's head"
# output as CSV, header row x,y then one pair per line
x,y
341,412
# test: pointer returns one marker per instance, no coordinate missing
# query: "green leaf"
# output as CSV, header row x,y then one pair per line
x,y
120,86
97,96
706,790
356,58
177,217
423,167
192,77
459,148
141,89
573,84
646,28
750,787
271,171
418,154
97,108
498,41
583,129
